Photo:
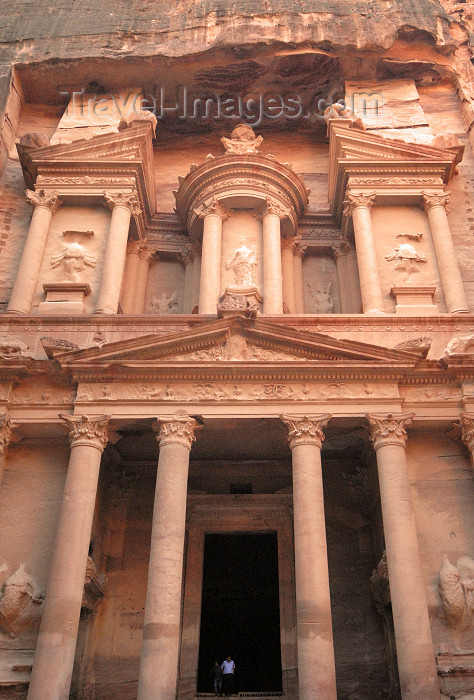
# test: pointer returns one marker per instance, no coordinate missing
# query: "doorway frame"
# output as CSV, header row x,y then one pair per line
x,y
224,513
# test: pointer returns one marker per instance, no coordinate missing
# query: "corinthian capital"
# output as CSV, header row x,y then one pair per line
x,y
354,200
341,248
41,198
213,207
467,430
90,431
306,430
176,430
435,199
6,432
275,208
387,429
128,200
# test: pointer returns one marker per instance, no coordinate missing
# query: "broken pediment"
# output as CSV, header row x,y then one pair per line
x,y
230,342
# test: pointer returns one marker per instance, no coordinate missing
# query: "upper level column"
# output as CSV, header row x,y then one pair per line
x,y
288,273
213,215
272,271
6,431
416,661
123,206
298,254
359,207
454,294
44,205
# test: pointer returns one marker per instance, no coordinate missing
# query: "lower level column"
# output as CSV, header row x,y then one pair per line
x,y
160,647
56,645
416,660
316,666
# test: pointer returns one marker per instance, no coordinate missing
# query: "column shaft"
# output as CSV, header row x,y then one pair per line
x,y
160,647
6,430
210,281
416,661
26,279
188,282
56,645
272,273
299,283
448,267
130,276
142,283
316,665
288,274
196,279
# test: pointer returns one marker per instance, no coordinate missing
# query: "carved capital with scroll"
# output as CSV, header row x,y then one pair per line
x,y
128,200
41,198
90,431
306,430
6,432
435,199
356,200
467,430
274,208
176,430
341,248
389,429
212,208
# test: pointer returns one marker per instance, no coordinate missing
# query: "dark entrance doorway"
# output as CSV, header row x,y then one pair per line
x,y
240,613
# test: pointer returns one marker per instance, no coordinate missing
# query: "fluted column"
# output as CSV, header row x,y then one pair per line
x,y
298,254
316,667
6,431
56,645
130,276
359,207
213,215
123,206
272,272
160,647
467,433
187,259
44,205
288,274
453,288
416,661
145,258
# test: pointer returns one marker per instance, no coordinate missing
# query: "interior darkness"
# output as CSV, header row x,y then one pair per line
x,y
240,611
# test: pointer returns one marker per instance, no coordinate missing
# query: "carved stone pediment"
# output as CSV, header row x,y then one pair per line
x,y
232,342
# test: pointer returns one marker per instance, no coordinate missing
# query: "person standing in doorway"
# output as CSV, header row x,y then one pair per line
x,y
217,673
228,668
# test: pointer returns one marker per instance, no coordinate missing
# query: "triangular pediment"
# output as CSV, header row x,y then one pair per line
x,y
233,342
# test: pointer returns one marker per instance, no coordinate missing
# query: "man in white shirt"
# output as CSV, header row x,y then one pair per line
x,y
228,668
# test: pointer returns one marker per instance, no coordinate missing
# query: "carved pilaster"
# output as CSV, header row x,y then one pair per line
x,y
435,199
387,429
275,208
41,198
128,200
212,207
288,243
306,430
467,430
177,430
134,247
300,249
354,200
6,432
89,431
341,248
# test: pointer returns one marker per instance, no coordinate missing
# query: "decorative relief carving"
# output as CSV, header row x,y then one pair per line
x,y
466,424
178,430
435,199
305,430
41,198
380,585
353,200
340,111
128,200
243,263
13,348
73,258
430,393
406,258
412,236
20,592
91,432
341,248
390,180
387,429
456,590
84,180
460,345
423,343
242,141
165,303
321,298
245,299
6,432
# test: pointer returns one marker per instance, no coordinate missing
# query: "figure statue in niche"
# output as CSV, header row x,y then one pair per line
x,y
243,263
165,303
406,256
321,299
456,590
19,593
74,259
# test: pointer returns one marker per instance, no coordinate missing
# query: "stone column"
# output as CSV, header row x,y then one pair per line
x,y
316,668
467,433
146,256
56,645
359,207
416,661
160,647
196,252
6,431
187,260
272,272
123,206
435,207
349,290
213,215
44,205
298,254
288,274
130,276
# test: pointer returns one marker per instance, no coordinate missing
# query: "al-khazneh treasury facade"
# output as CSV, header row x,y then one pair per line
x,y
275,348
